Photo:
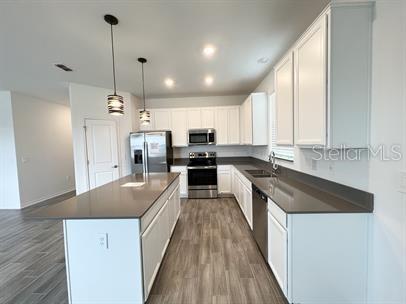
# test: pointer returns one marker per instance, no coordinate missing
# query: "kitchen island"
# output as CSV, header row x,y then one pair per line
x,y
116,236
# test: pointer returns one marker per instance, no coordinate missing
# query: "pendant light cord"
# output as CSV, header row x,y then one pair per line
x,y
143,85
112,53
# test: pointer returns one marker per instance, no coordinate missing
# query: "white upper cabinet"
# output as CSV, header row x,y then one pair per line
x,y
227,125
310,84
284,100
254,120
194,118
233,123
179,127
225,120
162,119
207,115
332,73
221,125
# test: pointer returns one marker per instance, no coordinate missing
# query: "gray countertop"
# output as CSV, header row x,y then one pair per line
x,y
295,197
112,200
296,192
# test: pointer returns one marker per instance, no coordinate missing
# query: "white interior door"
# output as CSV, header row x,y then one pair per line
x,y
102,152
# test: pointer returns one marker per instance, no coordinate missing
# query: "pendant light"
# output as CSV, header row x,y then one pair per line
x,y
115,103
145,116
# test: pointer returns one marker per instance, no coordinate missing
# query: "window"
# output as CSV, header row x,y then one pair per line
x,y
281,152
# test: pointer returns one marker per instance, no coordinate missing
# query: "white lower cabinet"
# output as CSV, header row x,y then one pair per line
x,y
173,209
278,251
182,180
319,258
156,237
241,188
248,204
154,241
224,179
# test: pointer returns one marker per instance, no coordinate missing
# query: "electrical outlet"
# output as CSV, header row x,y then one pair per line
x,y
402,181
103,240
331,166
314,164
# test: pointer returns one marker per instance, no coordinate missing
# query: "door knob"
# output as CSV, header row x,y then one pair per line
x,y
115,166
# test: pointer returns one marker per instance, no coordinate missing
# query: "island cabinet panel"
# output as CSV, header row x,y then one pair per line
x,y
115,260
103,261
173,209
154,242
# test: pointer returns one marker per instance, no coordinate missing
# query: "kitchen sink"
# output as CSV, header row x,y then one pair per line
x,y
259,173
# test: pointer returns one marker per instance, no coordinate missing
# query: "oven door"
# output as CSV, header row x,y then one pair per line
x,y
202,182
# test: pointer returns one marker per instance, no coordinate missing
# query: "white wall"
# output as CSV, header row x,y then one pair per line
x,y
88,102
387,260
43,138
388,236
9,189
202,101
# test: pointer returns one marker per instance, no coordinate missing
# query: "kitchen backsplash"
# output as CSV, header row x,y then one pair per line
x,y
222,151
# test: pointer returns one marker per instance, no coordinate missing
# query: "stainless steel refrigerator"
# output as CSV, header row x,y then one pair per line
x,y
151,151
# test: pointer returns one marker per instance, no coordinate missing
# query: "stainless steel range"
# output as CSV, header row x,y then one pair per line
x,y
202,175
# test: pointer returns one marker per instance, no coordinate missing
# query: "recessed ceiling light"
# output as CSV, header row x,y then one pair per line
x,y
63,67
208,80
263,60
169,82
209,50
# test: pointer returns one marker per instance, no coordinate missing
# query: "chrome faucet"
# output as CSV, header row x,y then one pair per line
x,y
272,159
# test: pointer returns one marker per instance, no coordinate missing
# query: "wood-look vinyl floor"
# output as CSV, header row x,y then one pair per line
x,y
212,258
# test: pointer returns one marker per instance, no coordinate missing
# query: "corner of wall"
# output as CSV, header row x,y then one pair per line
x,y
9,184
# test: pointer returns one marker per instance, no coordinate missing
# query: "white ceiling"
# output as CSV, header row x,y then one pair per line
x,y
170,34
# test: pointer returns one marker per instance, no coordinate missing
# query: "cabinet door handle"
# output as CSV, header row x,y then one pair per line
x,y
115,166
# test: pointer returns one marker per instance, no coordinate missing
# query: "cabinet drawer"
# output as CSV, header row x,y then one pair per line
x,y
277,213
224,168
181,169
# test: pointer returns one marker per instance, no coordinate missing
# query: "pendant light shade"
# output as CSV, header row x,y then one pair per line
x,y
145,116
115,103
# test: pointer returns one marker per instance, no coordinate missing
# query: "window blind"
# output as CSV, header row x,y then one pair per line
x,y
281,152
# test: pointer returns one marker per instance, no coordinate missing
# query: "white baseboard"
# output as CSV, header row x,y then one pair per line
x,y
44,198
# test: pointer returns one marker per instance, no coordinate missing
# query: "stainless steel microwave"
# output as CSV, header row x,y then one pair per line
x,y
201,137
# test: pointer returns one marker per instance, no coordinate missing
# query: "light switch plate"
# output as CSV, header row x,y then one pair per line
x,y
103,240
402,181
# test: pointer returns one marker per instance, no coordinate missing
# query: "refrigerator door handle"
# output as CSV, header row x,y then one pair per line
x,y
146,158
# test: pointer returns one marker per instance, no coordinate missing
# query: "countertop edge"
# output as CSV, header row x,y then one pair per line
x,y
33,215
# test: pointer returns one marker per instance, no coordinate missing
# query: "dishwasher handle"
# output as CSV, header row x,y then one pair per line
x,y
259,193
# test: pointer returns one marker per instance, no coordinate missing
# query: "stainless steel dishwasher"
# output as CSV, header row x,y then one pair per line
x,y
260,220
